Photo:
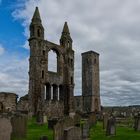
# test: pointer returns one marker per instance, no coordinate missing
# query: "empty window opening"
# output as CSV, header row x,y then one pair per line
x,y
61,93
71,62
43,52
47,92
68,44
71,80
94,61
32,31
42,75
55,92
39,33
52,61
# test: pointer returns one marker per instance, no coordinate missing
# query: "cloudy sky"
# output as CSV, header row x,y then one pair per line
x,y
110,27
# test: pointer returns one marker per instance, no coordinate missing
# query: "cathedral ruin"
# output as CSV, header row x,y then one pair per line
x,y
52,92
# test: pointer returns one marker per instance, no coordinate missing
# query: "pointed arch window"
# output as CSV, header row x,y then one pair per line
x,y
52,61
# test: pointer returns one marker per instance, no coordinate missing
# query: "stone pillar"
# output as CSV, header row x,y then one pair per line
x,y
5,129
58,95
51,92
45,92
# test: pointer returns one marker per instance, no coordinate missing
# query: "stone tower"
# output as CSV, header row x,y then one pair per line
x,y
90,82
50,91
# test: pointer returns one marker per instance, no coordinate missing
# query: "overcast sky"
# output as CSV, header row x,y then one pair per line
x,y
109,27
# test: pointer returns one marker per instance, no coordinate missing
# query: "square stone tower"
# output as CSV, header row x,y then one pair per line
x,y
90,82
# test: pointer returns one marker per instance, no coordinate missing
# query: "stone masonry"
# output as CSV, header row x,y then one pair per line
x,y
90,82
45,85
8,101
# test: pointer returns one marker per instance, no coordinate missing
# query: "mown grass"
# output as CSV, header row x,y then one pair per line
x,y
34,131
122,133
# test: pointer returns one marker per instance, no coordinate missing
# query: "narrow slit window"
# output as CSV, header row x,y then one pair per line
x,y
42,75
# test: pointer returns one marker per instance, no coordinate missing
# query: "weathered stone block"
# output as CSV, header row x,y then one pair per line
x,y
111,126
52,122
72,133
85,129
105,119
5,129
19,126
43,138
137,123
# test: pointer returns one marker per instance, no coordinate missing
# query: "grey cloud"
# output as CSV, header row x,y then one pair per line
x,y
108,27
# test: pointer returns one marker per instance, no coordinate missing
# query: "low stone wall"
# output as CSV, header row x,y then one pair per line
x,y
54,109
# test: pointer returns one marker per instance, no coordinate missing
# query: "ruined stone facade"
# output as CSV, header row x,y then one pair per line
x,y
90,82
49,87
78,103
23,104
8,102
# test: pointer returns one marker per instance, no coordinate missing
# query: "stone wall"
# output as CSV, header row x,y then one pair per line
x,y
23,104
8,101
78,103
53,109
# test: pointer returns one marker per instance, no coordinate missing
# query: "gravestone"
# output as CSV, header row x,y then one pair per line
x,y
111,126
105,119
92,119
5,129
43,138
137,123
77,119
52,122
72,133
60,126
39,117
19,126
85,129
45,119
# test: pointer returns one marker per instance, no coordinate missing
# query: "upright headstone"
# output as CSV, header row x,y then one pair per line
x,y
39,117
52,122
19,126
77,119
92,119
85,129
45,120
111,126
60,126
137,123
5,129
43,138
105,119
72,133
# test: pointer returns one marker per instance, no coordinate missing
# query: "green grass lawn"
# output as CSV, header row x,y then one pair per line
x,y
34,131
122,133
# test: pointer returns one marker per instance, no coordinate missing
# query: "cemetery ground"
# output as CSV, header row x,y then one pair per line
x,y
34,131
124,131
